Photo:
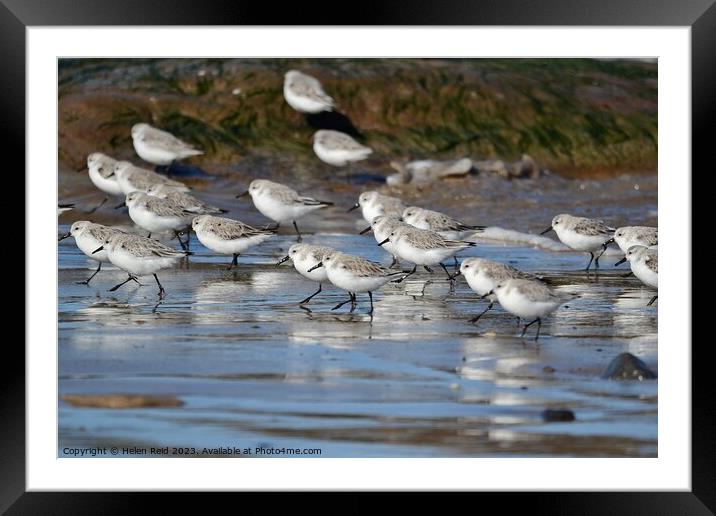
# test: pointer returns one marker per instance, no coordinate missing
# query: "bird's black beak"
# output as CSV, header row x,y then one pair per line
x,y
547,230
354,207
120,205
620,261
284,259
365,231
488,294
611,240
243,194
456,274
319,264
384,241
98,250
66,235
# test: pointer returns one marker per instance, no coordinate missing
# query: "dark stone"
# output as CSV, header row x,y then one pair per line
x,y
626,366
558,415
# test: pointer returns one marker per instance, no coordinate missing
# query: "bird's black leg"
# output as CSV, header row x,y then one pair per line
x,y
305,301
353,302
477,317
455,268
161,289
234,262
300,238
591,255
428,269
392,264
596,260
129,278
450,277
349,300
524,330
370,296
86,282
539,327
181,242
652,300
411,272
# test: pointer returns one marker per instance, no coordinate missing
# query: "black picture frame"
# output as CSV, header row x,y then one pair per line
x,y
700,15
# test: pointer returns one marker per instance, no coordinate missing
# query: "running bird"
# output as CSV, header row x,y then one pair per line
x,y
338,149
305,94
190,203
160,147
88,237
139,256
355,274
100,168
528,299
227,236
131,178
281,203
424,247
484,275
438,222
582,234
157,215
644,264
374,204
304,257
382,226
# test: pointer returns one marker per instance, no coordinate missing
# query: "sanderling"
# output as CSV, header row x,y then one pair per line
x,y
438,222
227,236
582,234
100,168
338,149
383,226
160,147
484,275
424,247
156,215
355,274
644,264
528,299
281,203
88,237
304,258
374,204
183,199
305,94
63,207
628,236
132,178
139,256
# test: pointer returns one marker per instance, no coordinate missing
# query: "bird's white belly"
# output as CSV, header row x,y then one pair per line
x,y
236,246
347,281
480,283
519,305
645,274
154,223
139,266
277,211
109,186
151,154
579,242
332,157
388,246
87,244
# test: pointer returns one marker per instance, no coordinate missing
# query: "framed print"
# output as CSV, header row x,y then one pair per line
x,y
419,252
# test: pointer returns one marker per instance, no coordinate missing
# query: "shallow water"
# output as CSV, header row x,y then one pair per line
x,y
253,369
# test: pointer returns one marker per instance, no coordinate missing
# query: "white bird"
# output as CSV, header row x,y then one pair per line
x,y
228,236
627,236
644,264
355,274
281,203
582,234
160,147
305,93
374,204
157,215
139,256
88,237
528,299
439,222
100,168
304,258
131,178
338,149
382,226
424,247
183,199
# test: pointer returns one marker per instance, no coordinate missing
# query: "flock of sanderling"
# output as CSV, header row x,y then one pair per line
x,y
410,234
